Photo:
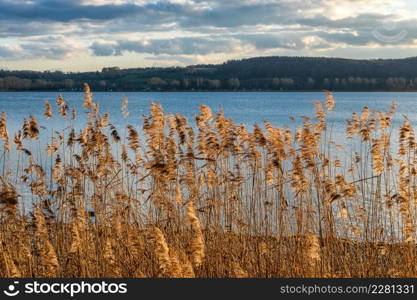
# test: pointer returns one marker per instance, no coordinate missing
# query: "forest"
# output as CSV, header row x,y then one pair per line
x,y
275,73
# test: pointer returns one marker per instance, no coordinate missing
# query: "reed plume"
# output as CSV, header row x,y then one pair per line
x,y
208,199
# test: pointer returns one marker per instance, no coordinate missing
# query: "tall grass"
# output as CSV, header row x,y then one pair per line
x,y
209,200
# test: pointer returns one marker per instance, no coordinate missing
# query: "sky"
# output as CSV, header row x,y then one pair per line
x,y
87,35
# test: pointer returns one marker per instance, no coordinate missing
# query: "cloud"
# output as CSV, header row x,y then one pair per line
x,y
55,48
7,52
177,30
211,44
39,50
63,10
103,49
175,46
234,16
272,40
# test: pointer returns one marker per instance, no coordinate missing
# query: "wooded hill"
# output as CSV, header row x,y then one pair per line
x,y
253,74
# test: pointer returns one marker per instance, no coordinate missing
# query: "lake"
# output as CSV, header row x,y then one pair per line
x,y
246,108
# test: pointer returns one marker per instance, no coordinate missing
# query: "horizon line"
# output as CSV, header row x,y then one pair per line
x,y
208,64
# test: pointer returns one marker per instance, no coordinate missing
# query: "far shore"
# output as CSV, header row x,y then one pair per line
x,y
207,91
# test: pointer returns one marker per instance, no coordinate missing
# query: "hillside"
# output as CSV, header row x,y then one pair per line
x,y
259,73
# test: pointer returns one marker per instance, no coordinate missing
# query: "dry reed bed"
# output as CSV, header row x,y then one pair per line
x,y
214,200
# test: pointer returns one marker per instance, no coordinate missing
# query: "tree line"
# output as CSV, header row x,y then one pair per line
x,y
253,74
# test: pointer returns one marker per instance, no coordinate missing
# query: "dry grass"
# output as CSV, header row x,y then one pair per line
x,y
214,200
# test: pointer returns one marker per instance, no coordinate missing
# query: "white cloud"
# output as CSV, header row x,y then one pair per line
x,y
186,31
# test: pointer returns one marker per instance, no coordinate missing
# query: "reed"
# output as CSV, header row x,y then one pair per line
x,y
212,199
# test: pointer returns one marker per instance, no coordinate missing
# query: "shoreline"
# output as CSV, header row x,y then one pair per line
x,y
205,91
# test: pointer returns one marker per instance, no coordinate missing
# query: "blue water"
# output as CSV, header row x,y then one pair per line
x,y
246,108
